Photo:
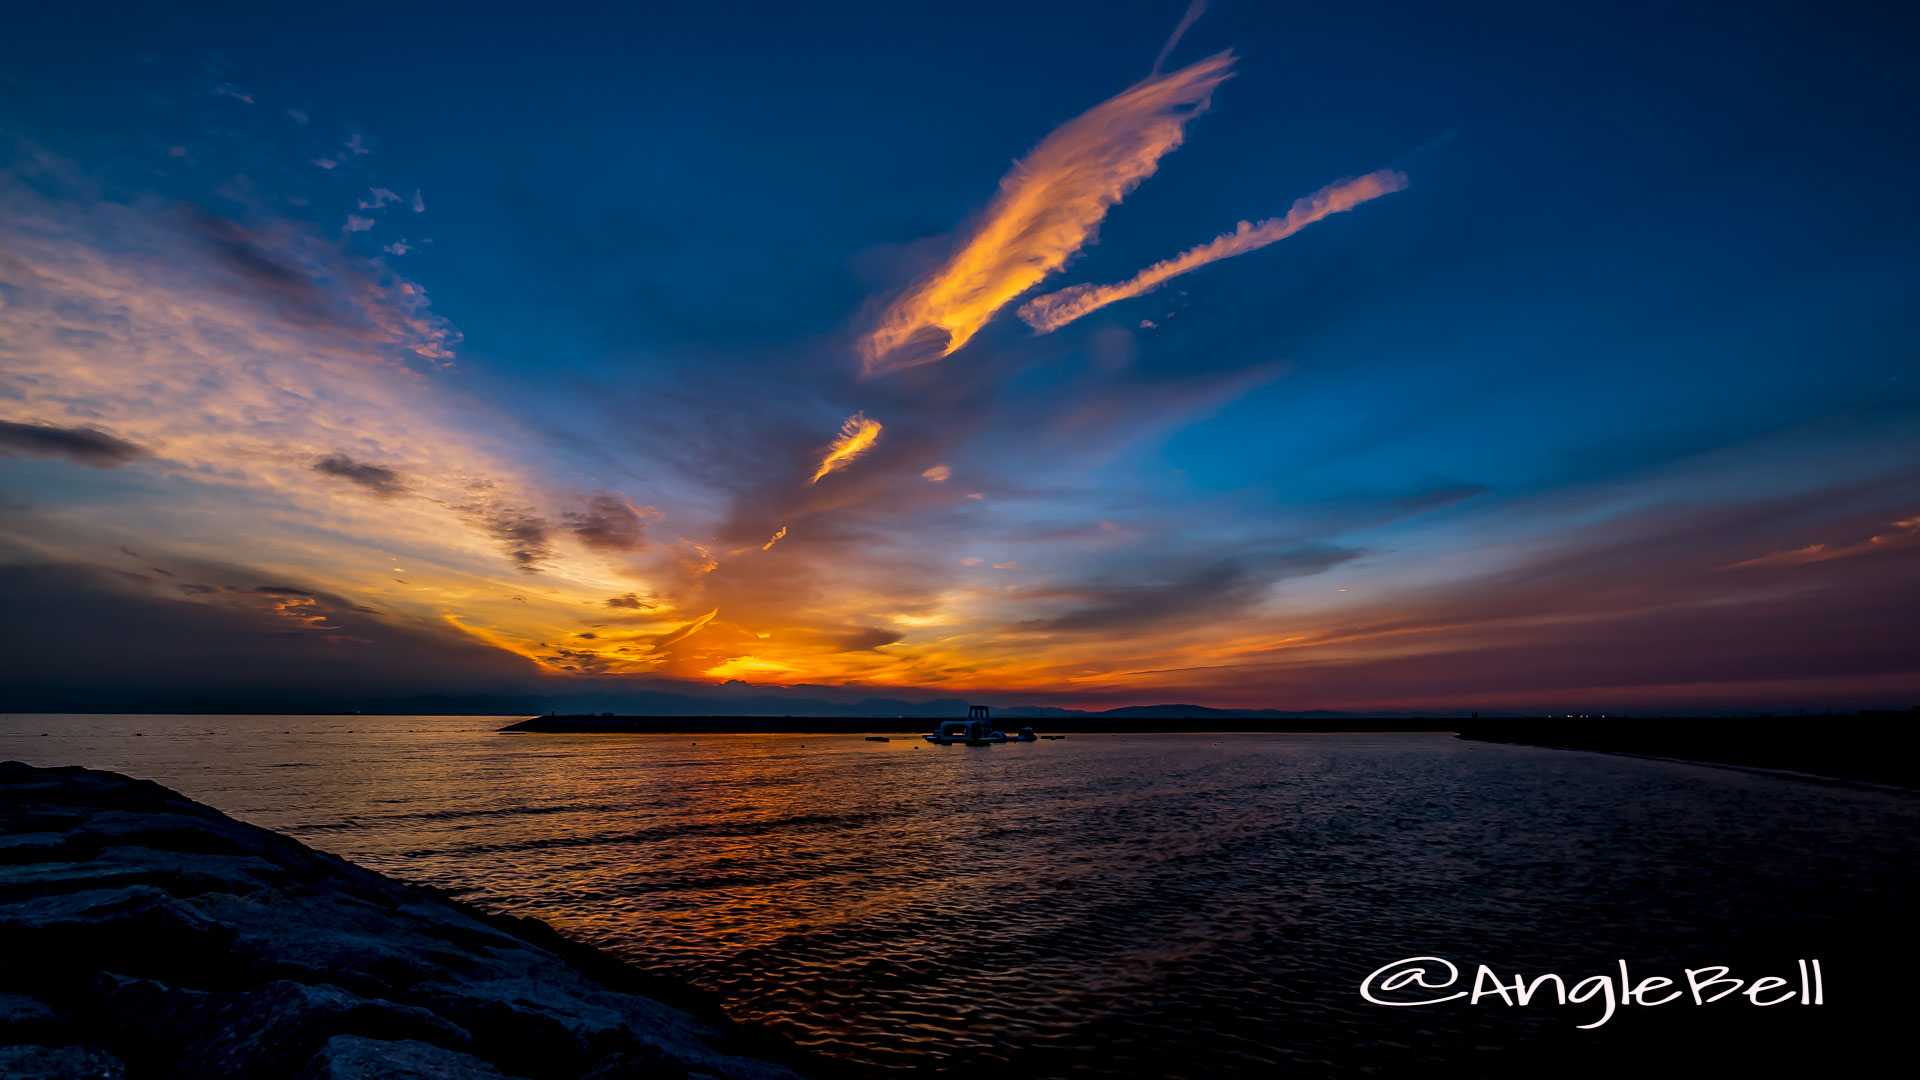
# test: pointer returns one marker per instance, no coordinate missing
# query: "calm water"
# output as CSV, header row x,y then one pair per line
x,y
1183,905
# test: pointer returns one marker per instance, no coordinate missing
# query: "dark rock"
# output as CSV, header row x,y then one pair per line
x,y
354,1057
59,1063
29,1020
647,1064
266,1033
192,945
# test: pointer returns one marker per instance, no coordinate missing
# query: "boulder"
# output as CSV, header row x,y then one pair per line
x,y
355,1057
187,944
26,1062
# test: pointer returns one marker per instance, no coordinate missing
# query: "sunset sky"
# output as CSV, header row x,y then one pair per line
x,y
1400,357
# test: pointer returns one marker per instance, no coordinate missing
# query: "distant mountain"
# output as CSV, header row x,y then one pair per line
x,y
1164,712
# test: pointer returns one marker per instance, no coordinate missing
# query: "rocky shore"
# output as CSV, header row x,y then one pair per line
x,y
144,935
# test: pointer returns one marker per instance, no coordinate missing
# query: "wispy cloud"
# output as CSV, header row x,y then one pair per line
x,y
776,538
1904,533
1194,10
683,632
609,523
1048,208
856,437
1055,310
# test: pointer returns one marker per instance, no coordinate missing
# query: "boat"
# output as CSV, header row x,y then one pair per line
x,y
976,730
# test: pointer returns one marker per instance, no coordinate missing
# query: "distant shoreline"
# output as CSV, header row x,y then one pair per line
x,y
1799,747
914,725
1857,750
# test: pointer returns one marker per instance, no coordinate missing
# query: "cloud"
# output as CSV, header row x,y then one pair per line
x,y
356,144
83,445
939,474
380,197
313,285
326,163
419,204
1048,208
1904,533
1197,592
857,436
231,91
776,538
609,522
356,223
298,117
864,639
523,535
82,637
398,247
630,600
1054,310
1194,10
683,632
378,479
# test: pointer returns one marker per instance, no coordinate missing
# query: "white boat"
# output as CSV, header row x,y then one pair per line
x,y
976,730
971,732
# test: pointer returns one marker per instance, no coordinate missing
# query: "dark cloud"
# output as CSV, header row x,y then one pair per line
x,y
378,479
82,445
1201,592
608,522
630,600
81,638
309,285
870,637
524,535
255,267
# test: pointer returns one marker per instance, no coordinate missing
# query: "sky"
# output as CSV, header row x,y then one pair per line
x,y
1402,358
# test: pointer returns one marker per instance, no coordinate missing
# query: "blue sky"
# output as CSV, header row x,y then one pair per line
x,y
1638,316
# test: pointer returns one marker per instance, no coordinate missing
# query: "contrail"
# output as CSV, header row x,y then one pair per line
x,y
1056,309
1048,208
856,437
1194,11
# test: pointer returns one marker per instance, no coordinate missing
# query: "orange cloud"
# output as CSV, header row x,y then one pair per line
x,y
776,538
1908,531
856,437
1048,208
1055,310
684,632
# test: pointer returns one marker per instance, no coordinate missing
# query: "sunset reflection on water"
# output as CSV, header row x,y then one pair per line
x,y
1171,905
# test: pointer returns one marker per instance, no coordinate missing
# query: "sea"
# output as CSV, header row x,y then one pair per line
x,y
1180,905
